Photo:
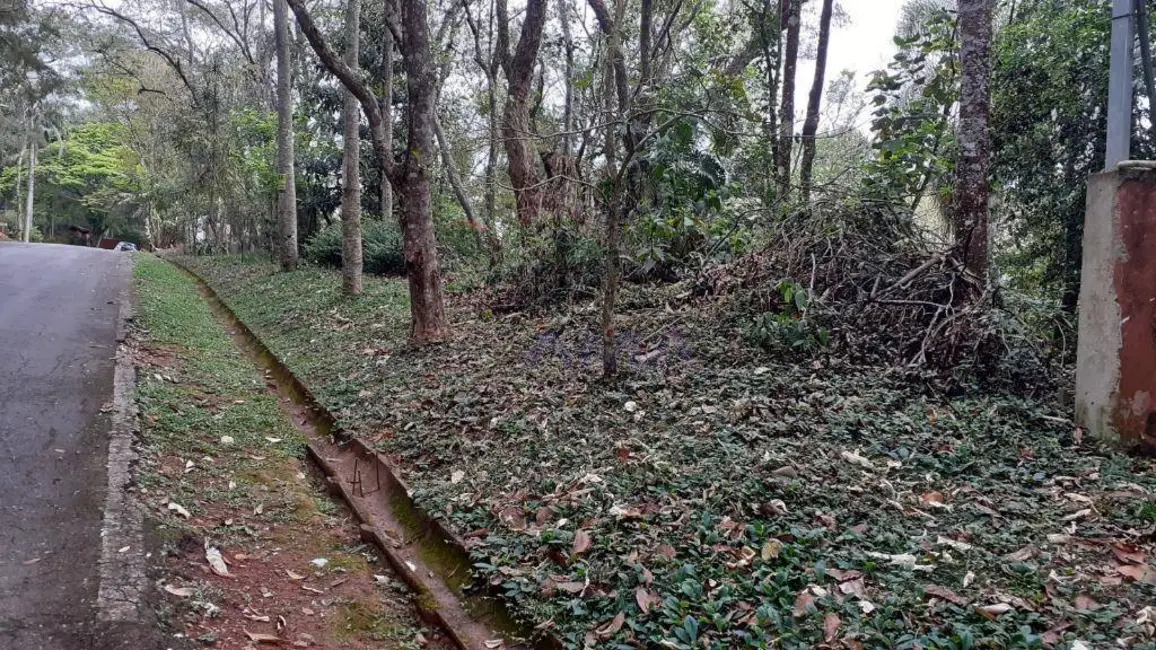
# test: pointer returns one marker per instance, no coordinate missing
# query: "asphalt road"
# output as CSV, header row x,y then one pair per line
x,y
58,318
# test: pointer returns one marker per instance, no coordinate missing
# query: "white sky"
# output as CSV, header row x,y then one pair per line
x,y
862,45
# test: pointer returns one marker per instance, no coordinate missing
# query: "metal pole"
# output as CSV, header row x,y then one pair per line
x,y
1120,85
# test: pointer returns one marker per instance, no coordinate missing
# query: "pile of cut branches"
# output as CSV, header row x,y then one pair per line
x,y
884,292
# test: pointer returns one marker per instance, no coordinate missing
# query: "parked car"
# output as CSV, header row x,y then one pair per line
x,y
125,246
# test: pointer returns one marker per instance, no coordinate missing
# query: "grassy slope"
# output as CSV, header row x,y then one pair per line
x,y
721,490
252,497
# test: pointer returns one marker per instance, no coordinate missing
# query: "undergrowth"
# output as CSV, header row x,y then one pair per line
x,y
720,496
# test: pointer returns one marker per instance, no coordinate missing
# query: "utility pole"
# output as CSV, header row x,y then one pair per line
x,y
1120,85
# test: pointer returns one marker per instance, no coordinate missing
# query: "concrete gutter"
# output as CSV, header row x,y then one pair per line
x,y
426,555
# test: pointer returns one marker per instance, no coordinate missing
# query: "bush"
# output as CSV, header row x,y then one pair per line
x,y
381,245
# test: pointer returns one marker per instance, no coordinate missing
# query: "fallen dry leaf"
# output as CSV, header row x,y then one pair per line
x,y
771,549
945,594
261,637
831,624
855,459
611,628
645,599
493,643
1138,572
294,576
933,499
581,542
216,561
571,587
1084,603
179,509
994,611
804,603
180,592
1128,553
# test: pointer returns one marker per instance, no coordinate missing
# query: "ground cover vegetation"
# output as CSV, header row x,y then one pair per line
x,y
693,343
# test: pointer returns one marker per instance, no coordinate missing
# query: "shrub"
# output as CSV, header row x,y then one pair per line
x,y
381,245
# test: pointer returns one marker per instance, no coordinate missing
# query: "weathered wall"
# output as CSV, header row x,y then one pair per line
x,y
1116,357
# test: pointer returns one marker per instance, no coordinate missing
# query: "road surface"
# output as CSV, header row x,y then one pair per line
x,y
59,308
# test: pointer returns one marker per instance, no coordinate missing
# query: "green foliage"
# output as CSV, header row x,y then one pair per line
x,y
686,217
913,100
1049,90
381,247
788,329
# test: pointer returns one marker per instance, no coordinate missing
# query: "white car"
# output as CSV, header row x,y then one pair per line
x,y
125,246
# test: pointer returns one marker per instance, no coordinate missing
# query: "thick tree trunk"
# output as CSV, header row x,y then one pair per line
x,y
811,124
517,130
351,253
287,192
411,179
787,108
421,253
31,198
971,195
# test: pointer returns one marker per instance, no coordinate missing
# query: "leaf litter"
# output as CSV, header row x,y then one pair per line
x,y
850,468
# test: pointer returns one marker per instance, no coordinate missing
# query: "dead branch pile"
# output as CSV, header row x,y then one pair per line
x,y
885,294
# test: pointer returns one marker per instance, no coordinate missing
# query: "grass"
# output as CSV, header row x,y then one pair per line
x,y
252,496
729,499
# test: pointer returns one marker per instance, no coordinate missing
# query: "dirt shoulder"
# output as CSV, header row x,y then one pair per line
x,y
717,496
223,470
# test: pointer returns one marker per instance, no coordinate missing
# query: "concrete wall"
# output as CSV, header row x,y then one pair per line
x,y
1116,355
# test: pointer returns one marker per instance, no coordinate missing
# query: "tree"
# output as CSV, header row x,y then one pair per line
x,y
811,124
287,192
351,168
972,190
410,178
516,127
786,115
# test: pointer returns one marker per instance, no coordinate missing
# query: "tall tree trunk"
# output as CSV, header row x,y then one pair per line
x,y
787,108
614,84
568,108
811,124
386,80
351,253
31,198
971,194
411,178
287,192
421,253
517,130
772,50
20,179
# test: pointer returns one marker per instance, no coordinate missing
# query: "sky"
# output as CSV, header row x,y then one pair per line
x,y
861,45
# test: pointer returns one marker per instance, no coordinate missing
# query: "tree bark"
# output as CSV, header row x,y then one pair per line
x,y
614,84
787,108
411,178
351,253
568,108
31,198
287,192
811,124
517,130
386,80
971,194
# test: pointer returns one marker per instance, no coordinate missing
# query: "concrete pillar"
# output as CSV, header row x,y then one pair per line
x,y
1116,354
